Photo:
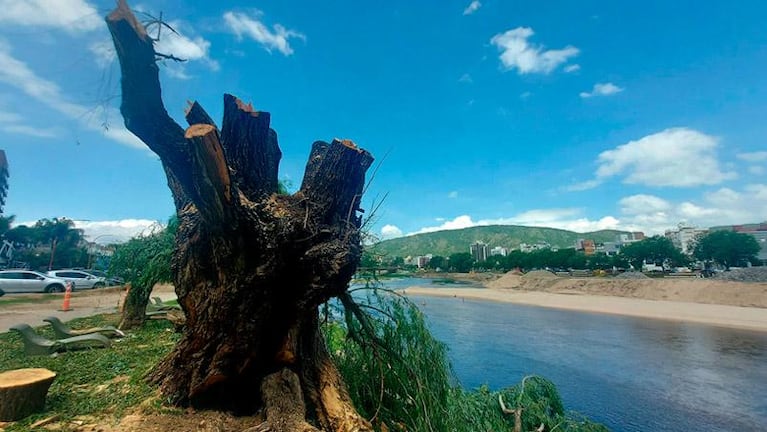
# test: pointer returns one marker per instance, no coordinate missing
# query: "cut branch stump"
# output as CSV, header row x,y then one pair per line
x,y
23,391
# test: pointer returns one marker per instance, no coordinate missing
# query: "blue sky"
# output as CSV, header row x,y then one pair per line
x,y
579,115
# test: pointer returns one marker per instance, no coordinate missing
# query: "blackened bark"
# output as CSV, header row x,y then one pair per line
x,y
251,146
250,267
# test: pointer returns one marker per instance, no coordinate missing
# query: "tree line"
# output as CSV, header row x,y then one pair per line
x,y
46,244
722,248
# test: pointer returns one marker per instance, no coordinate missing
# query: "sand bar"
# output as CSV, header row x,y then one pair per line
x,y
750,318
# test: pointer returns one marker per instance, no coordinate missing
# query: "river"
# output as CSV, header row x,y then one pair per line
x,y
630,374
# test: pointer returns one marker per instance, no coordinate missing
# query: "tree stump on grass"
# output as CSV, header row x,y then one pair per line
x,y
23,391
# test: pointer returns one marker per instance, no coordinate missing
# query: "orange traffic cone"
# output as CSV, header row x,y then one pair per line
x,y
67,296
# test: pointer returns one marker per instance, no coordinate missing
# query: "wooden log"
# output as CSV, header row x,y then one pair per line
x,y
23,391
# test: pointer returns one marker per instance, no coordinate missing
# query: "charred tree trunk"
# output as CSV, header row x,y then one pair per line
x,y
250,267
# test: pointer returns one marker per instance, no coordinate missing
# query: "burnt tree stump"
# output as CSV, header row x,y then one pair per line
x,y
250,266
23,391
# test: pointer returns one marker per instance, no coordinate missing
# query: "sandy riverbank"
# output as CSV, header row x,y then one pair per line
x,y
727,304
691,290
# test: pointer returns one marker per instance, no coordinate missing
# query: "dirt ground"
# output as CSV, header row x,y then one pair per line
x,y
186,421
693,290
82,303
86,303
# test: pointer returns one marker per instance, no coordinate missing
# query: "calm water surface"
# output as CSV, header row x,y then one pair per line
x,y
628,373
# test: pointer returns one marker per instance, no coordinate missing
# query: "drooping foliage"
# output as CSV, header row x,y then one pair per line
x,y
143,262
400,377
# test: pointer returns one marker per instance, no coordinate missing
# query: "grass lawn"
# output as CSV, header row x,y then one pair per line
x,y
94,382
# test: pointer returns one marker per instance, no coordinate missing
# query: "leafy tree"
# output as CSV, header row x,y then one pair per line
x,y
5,224
461,262
494,262
726,248
599,261
437,262
619,261
66,248
49,243
143,262
21,235
368,260
655,249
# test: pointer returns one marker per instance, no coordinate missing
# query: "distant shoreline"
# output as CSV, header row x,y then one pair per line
x,y
747,318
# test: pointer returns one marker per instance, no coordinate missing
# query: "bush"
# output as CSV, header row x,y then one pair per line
x,y
400,376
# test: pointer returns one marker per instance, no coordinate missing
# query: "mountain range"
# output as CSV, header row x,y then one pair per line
x,y
448,242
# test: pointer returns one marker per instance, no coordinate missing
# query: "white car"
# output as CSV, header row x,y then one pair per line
x,y
28,281
82,279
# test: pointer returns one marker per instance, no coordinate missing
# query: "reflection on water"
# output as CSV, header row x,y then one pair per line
x,y
631,374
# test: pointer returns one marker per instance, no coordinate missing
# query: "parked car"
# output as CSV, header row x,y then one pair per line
x,y
28,281
82,279
110,280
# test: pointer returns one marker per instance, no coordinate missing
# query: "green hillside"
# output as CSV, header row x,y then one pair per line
x,y
510,236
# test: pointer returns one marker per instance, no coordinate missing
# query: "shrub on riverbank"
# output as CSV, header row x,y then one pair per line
x,y
400,376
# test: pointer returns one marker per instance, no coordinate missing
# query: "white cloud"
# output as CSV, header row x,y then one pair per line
x,y
572,68
472,7
452,194
582,186
459,222
188,48
543,216
116,231
525,95
17,74
567,218
465,78
641,212
602,89
642,204
103,52
759,156
276,39
14,124
29,131
518,53
757,170
390,231
176,43
723,206
646,213
69,15
677,157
